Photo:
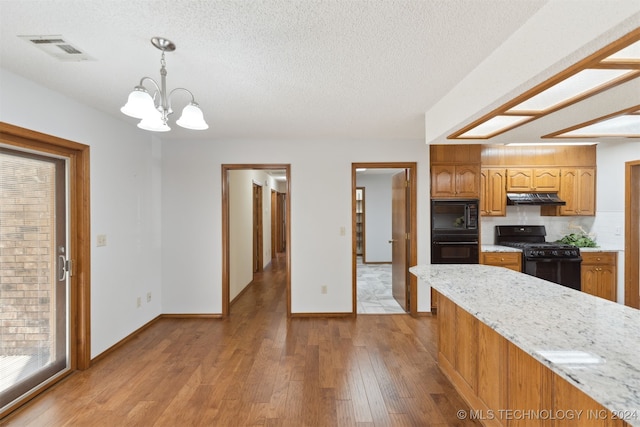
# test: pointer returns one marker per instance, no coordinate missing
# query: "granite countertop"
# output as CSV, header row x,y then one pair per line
x,y
600,249
498,248
537,315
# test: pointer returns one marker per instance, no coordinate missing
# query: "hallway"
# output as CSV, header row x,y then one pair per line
x,y
259,368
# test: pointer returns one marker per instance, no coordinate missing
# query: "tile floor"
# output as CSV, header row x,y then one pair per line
x,y
374,289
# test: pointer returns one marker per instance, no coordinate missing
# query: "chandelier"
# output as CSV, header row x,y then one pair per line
x,y
153,112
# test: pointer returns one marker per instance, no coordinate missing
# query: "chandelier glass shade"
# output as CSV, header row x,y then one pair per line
x,y
154,112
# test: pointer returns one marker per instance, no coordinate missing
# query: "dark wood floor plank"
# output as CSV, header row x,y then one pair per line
x,y
259,368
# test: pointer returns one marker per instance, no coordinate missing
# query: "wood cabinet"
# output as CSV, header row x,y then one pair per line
x,y
492,375
493,198
510,260
578,189
529,385
599,274
455,181
455,171
505,384
524,180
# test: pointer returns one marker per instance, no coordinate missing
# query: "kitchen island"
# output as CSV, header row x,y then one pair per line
x,y
522,350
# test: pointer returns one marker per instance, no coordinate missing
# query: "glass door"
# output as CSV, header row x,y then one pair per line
x,y
34,285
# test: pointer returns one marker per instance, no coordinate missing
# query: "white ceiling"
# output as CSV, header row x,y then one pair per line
x,y
351,69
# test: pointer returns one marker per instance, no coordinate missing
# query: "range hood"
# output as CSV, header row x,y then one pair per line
x,y
535,199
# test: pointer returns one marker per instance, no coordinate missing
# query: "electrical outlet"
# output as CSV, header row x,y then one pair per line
x,y
139,302
101,240
148,296
323,289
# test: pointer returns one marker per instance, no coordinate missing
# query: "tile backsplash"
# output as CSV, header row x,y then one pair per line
x,y
604,227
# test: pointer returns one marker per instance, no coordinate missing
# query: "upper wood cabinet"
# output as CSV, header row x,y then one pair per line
x,y
578,190
455,153
524,180
455,181
493,199
455,171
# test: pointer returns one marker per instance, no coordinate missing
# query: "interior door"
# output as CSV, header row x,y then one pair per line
x,y
399,233
34,343
257,228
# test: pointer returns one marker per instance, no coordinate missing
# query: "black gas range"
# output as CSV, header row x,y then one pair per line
x,y
555,262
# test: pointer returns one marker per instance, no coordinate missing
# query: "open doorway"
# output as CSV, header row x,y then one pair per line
x,y
632,235
384,237
247,195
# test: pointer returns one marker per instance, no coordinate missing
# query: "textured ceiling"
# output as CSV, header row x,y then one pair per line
x,y
349,69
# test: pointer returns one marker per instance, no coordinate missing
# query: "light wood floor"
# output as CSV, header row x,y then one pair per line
x,y
259,368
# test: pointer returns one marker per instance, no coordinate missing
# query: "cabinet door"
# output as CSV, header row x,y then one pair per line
x,y
568,191
586,191
530,386
484,192
466,347
519,180
607,282
446,329
589,280
546,180
599,274
493,196
467,181
443,183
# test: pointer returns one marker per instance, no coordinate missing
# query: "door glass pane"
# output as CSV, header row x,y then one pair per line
x,y
33,281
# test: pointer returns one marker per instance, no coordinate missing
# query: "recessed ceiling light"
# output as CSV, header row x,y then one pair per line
x,y
613,65
494,125
621,124
578,85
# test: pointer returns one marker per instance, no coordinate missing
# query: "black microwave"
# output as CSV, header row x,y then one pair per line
x,y
454,216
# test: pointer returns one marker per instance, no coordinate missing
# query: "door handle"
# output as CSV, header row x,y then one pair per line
x,y
392,240
62,267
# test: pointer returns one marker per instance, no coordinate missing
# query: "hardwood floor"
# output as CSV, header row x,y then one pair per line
x,y
259,368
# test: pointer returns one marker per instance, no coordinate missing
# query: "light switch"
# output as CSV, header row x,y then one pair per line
x,y
343,231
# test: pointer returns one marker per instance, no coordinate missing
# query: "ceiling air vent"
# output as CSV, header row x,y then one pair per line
x,y
58,47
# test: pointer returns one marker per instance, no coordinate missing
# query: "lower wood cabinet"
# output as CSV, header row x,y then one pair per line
x,y
504,385
511,260
599,274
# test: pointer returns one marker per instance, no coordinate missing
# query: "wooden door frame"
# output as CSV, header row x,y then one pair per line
x,y
79,233
225,169
413,228
631,235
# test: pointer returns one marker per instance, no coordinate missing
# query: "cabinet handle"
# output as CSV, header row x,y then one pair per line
x,y
501,259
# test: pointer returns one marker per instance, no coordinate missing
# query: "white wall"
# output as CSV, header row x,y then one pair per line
x,y
320,195
125,203
377,208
